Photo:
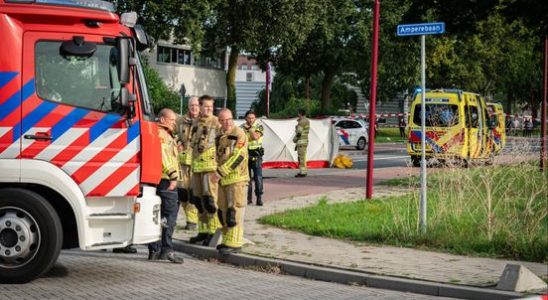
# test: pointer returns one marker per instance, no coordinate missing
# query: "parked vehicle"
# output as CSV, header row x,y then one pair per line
x,y
352,133
458,127
80,154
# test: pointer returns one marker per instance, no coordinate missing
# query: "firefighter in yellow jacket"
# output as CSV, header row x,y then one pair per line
x,y
205,131
184,186
232,156
301,141
167,189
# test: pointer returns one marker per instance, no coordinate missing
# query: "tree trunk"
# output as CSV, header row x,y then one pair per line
x,y
307,87
326,90
231,79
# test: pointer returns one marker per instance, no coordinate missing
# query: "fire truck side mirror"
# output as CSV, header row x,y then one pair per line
x,y
123,60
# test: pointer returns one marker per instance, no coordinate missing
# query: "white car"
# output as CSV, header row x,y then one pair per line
x,y
352,133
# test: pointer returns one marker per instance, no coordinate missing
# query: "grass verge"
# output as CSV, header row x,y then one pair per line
x,y
490,211
389,135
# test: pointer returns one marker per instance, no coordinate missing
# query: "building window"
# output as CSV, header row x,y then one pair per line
x,y
210,61
244,67
163,55
174,55
249,76
184,57
254,67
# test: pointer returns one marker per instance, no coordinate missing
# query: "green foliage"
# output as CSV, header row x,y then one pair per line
x,y
292,106
329,49
495,211
493,46
286,87
160,94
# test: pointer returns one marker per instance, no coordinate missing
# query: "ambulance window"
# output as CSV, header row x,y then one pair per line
x,y
473,117
438,115
85,81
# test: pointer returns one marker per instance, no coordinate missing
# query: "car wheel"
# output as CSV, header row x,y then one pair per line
x,y
31,235
361,144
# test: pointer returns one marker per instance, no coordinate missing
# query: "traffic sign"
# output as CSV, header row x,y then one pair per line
x,y
421,29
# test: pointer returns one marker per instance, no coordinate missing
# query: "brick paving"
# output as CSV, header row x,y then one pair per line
x,y
102,275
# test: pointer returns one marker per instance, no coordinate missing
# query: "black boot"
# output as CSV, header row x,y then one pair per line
x,y
153,255
207,240
259,201
199,238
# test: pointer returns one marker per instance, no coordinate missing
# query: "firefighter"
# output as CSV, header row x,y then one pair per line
x,y
184,133
167,189
233,173
205,131
254,132
301,141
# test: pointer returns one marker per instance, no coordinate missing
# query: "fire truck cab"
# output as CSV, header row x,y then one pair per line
x,y
79,149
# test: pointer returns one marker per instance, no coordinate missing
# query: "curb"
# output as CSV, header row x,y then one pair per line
x,y
349,277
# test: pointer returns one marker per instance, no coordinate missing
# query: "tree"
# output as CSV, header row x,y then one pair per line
x,y
258,27
329,49
162,19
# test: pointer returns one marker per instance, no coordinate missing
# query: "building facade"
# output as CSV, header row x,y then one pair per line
x,y
179,67
250,80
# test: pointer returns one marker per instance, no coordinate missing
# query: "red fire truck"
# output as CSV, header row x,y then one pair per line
x,y
79,151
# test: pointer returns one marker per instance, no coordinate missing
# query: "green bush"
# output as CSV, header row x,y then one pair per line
x,y
160,94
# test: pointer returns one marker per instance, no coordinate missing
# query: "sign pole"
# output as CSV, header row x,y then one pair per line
x,y
422,29
422,204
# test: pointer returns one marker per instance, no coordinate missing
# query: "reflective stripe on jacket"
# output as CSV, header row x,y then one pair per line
x,y
170,163
232,157
255,128
205,131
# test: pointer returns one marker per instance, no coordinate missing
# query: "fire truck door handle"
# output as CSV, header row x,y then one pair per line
x,y
40,136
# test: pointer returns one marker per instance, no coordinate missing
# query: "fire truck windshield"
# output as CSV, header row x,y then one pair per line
x,y
86,81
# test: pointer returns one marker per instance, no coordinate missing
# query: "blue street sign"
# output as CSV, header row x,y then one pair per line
x,y
421,29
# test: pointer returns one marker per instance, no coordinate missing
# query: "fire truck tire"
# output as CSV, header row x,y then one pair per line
x,y
31,235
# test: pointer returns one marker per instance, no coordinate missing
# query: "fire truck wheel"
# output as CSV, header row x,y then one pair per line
x,y
31,235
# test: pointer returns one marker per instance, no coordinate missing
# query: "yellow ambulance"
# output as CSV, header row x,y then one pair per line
x,y
458,127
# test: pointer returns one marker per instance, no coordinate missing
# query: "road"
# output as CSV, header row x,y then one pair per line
x,y
102,275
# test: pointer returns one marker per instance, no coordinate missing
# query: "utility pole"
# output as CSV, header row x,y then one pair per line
x,y
373,100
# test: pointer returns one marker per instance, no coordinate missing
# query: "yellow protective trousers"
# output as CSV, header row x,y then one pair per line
x,y
206,189
301,153
190,210
232,198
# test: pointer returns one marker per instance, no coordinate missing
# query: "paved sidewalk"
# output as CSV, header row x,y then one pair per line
x,y
376,259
